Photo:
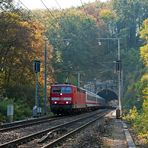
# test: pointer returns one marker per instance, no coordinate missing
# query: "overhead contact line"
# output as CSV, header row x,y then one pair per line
x,y
84,8
58,4
47,8
35,16
87,16
52,15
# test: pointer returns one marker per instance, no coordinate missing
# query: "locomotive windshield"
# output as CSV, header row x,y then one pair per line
x,y
62,89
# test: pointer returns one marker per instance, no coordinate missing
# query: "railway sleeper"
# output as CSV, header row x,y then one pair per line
x,y
52,134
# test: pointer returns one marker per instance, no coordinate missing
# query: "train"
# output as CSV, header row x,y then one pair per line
x,y
67,99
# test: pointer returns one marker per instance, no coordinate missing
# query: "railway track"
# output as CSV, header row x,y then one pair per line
x,y
76,129
25,123
4,125
66,125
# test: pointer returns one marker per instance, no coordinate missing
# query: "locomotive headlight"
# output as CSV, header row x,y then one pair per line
x,y
66,102
55,102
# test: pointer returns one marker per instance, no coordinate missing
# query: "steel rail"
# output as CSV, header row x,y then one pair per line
x,y
30,137
4,125
61,139
31,122
26,125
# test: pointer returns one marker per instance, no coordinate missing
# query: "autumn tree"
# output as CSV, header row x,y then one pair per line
x,y
109,18
21,42
140,125
144,56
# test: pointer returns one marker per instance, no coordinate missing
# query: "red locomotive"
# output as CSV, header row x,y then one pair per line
x,y
67,98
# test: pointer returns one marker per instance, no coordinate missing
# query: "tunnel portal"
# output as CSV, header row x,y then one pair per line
x,y
108,94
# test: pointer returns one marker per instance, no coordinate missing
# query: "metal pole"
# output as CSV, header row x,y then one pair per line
x,y
119,78
45,78
119,74
118,49
36,89
95,85
78,79
122,88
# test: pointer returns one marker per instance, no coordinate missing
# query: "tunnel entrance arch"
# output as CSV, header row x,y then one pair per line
x,y
108,95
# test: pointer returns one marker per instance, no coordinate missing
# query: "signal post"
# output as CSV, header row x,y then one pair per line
x,y
36,108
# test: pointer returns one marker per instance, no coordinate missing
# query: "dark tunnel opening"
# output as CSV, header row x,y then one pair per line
x,y
108,95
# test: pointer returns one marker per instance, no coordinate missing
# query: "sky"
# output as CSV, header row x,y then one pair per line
x,y
35,4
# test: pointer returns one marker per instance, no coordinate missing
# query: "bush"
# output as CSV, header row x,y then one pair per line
x,y
139,121
21,109
141,124
132,115
3,108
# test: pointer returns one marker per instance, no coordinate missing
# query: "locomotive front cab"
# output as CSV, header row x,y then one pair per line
x,y
61,99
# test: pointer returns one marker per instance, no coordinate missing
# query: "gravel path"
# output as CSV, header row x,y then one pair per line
x,y
114,137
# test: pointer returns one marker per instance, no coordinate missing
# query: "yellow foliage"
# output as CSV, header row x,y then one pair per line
x,y
107,14
144,49
22,41
144,80
145,108
144,54
133,113
144,31
131,116
144,137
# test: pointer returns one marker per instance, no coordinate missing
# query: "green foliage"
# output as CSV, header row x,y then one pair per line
x,y
3,108
21,92
82,53
139,121
144,49
131,14
133,70
109,17
15,56
141,124
22,41
81,33
21,109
